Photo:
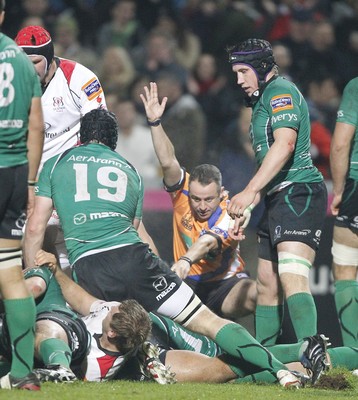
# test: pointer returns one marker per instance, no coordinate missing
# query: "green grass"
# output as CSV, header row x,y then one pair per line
x,y
188,391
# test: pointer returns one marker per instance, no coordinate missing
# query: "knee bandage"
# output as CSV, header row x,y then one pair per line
x,y
293,264
344,255
10,258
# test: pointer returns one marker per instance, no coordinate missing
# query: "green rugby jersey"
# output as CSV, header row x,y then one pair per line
x,y
282,105
97,194
19,83
348,114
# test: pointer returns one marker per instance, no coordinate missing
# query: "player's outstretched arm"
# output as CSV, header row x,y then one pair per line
x,y
162,145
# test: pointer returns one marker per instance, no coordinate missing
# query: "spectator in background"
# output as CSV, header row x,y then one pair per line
x,y
135,144
203,18
44,9
283,57
209,87
297,40
184,120
351,53
344,206
116,70
31,21
19,10
322,94
124,29
67,45
134,93
188,46
158,56
323,56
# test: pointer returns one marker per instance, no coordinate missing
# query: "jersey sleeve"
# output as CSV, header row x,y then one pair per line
x,y
347,112
88,88
43,187
283,105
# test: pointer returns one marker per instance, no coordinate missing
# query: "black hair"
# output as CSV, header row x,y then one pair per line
x,y
101,126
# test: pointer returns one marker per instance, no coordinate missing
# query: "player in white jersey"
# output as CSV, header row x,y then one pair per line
x,y
70,90
103,360
90,341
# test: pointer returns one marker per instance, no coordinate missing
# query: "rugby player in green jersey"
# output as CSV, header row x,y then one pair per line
x,y
295,194
344,169
21,144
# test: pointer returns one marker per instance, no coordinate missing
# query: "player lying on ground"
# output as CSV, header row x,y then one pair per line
x,y
174,341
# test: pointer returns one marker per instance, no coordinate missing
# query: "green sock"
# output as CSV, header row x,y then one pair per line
x,y
286,353
263,376
346,299
303,314
55,351
20,318
236,341
268,322
344,357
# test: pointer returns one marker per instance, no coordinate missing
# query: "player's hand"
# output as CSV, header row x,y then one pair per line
x,y
42,257
336,203
181,268
153,108
236,231
238,224
239,203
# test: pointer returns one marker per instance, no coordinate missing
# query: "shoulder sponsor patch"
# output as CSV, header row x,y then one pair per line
x,y
281,102
92,88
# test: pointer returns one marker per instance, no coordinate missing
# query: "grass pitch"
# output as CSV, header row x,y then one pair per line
x,y
188,391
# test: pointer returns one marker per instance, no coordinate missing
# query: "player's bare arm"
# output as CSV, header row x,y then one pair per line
x,y
79,299
339,161
162,145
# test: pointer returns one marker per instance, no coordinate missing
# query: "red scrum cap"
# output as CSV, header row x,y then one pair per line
x,y
35,40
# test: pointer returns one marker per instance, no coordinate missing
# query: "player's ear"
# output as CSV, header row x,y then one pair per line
x,y
111,334
222,192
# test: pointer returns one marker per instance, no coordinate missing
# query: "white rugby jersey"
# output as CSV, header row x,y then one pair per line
x,y
101,364
73,91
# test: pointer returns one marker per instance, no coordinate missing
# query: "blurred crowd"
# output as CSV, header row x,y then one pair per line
x,y
181,44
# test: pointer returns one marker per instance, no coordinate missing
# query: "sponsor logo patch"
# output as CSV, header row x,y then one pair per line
x,y
160,284
92,88
79,219
281,102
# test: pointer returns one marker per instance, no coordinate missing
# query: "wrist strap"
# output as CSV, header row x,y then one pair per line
x,y
157,122
31,183
187,259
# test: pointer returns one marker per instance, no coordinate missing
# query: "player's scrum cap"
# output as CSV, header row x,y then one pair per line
x,y
257,53
35,40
